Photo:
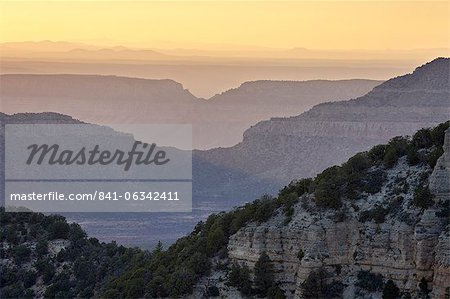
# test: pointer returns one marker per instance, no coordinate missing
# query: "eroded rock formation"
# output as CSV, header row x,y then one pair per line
x,y
410,246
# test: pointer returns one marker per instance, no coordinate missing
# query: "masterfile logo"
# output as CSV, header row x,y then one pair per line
x,y
53,155
89,168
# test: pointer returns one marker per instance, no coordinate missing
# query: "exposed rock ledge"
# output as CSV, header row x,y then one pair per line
x,y
400,250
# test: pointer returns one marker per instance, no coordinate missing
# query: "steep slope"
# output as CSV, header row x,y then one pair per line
x,y
378,225
43,256
237,109
400,232
219,121
282,149
369,226
277,151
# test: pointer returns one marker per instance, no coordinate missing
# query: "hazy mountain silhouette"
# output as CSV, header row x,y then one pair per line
x,y
55,50
206,72
282,149
219,121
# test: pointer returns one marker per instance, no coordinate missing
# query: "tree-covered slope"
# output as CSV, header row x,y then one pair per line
x,y
44,256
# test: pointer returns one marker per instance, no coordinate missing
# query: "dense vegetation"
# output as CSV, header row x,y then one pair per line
x,y
88,268
368,281
364,171
320,285
175,271
77,270
263,285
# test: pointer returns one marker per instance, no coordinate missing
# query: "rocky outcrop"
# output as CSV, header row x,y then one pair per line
x,y
441,277
440,186
440,178
410,246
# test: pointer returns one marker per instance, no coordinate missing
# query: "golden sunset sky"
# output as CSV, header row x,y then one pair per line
x,y
310,24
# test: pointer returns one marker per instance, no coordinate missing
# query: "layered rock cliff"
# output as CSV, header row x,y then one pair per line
x,y
407,244
440,186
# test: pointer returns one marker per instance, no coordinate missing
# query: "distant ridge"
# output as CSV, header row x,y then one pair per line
x,y
32,118
282,149
219,121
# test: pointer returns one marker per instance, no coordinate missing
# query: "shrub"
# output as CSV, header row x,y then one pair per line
x,y
346,181
239,277
406,295
377,214
275,293
298,187
423,197
340,215
357,164
21,254
199,263
327,196
327,188
156,288
264,278
423,286
42,247
77,235
213,291
28,294
395,205
264,208
59,230
300,255
45,268
369,281
180,282
288,201
11,235
374,181
338,269
413,157
376,154
391,291
423,138
390,157
434,156
59,288
316,286
29,278
216,239
394,150
438,133
13,291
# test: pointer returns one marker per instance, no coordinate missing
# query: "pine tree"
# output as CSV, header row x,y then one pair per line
x,y
159,247
264,278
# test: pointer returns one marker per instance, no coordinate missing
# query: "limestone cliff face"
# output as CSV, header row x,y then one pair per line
x,y
440,178
410,245
440,186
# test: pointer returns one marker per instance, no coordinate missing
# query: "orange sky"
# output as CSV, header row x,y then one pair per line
x,y
315,25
